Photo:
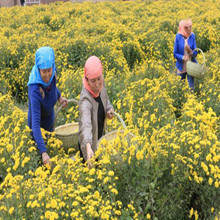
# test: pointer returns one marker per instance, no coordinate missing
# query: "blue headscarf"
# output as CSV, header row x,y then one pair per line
x,y
44,59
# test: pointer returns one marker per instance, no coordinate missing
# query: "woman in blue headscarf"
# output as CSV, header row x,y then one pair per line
x,y
43,95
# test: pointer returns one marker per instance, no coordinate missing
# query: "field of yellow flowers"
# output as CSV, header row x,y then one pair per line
x,y
170,169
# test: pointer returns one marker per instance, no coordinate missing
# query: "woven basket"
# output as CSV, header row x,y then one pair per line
x,y
67,133
111,136
195,69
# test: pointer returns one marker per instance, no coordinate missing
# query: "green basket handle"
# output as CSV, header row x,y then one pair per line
x,y
60,108
120,119
202,54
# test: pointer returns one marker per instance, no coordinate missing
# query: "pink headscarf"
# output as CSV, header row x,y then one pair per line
x,y
184,23
93,69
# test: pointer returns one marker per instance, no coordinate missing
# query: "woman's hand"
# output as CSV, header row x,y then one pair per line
x,y
63,101
110,113
90,154
45,158
89,151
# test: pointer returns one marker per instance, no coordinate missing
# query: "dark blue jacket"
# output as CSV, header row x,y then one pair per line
x,y
41,110
179,45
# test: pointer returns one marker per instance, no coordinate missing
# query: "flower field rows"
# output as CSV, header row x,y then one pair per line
x,y
169,169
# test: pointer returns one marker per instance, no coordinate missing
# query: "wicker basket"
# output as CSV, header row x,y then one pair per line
x,y
195,69
67,133
111,136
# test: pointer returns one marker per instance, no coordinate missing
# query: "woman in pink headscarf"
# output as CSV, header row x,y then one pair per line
x,y
94,106
185,43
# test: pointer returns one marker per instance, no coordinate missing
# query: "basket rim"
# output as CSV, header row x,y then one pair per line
x,y
112,132
66,125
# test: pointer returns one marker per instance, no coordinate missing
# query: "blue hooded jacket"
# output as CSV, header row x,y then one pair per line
x,y
179,45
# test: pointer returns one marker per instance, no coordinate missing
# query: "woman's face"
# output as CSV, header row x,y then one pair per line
x,y
96,84
188,29
46,74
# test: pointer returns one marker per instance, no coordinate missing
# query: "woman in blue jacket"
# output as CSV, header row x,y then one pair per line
x,y
185,43
43,95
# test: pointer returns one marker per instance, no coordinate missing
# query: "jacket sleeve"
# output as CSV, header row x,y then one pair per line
x,y
85,125
57,90
194,46
109,105
176,53
35,100
58,93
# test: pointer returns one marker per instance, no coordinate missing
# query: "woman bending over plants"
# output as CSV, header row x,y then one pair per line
x,y
94,106
43,95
